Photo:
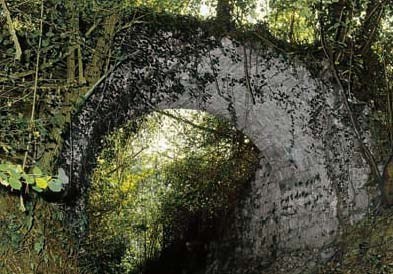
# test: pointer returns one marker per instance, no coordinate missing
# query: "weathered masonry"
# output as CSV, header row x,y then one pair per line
x,y
311,177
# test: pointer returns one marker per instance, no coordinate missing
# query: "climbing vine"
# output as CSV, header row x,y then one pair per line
x,y
55,53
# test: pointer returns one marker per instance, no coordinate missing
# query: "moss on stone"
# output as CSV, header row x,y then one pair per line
x,y
365,247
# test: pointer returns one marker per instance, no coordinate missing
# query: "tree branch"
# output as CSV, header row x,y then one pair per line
x,y
188,122
18,53
125,162
247,75
26,73
365,150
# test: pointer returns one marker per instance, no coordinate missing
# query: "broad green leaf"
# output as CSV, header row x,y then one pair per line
x,y
28,179
4,167
15,183
4,179
42,182
62,176
37,171
37,188
18,169
14,172
55,185
3,175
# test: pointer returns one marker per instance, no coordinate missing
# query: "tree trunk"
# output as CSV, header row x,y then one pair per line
x,y
387,195
224,18
94,69
14,37
72,11
372,74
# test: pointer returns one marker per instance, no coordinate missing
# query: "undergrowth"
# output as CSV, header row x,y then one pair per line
x,y
34,241
366,247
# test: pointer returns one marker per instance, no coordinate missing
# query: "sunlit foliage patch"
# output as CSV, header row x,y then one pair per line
x,y
181,169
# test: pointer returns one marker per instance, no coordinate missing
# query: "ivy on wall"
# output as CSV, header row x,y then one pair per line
x,y
77,50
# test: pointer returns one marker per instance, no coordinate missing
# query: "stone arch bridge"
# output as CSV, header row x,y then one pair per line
x,y
311,178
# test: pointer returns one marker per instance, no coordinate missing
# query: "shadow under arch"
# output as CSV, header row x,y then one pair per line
x,y
308,175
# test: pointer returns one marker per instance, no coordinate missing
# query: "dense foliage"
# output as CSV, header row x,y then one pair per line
x,y
171,183
34,241
54,52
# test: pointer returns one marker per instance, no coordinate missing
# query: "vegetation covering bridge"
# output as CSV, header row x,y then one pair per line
x,y
309,184
75,73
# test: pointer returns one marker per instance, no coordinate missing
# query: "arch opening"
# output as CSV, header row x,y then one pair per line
x,y
165,191
308,182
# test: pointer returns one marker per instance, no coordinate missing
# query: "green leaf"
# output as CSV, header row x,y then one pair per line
x,y
28,179
55,185
36,189
4,179
15,183
45,43
62,176
37,171
14,173
4,167
42,182
18,169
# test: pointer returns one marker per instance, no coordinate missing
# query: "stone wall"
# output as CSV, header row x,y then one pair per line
x,y
311,180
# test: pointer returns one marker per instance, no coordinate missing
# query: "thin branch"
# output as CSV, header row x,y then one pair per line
x,y
93,27
188,122
125,161
215,75
374,30
81,77
31,124
247,75
96,84
11,29
26,73
368,30
270,43
389,104
365,150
